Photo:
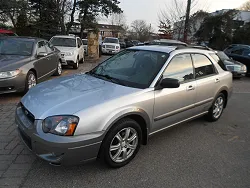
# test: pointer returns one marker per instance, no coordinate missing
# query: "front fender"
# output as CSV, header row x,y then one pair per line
x,y
114,117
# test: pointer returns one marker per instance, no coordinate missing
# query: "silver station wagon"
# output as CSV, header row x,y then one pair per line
x,y
110,111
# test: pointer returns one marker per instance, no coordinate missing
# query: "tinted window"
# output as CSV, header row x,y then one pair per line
x,y
111,40
12,46
79,42
67,42
246,52
85,42
203,66
237,51
180,68
131,67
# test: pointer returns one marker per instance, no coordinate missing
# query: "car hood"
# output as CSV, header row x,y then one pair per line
x,y
232,62
70,94
65,49
111,44
12,62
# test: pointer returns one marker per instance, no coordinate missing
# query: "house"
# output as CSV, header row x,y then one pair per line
x,y
106,30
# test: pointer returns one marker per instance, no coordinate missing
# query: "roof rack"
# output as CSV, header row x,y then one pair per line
x,y
194,46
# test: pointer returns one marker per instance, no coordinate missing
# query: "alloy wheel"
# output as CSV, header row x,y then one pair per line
x,y
123,145
31,81
59,68
218,107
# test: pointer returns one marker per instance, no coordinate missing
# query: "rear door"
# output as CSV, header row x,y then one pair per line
x,y
207,82
176,104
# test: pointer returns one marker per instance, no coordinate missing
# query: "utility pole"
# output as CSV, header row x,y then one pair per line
x,y
186,26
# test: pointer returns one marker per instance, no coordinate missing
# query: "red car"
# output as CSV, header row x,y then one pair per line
x,y
5,32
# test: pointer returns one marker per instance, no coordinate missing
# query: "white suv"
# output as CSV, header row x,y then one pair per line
x,y
71,47
110,45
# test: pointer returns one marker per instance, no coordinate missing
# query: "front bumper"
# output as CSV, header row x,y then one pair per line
x,y
11,85
57,150
110,51
68,60
238,74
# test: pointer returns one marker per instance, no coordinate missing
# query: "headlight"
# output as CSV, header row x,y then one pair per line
x,y
9,74
117,47
103,46
244,68
60,125
69,53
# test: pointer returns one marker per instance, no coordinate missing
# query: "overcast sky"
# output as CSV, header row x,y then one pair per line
x,y
148,9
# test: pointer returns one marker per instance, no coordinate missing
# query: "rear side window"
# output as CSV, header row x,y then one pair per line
x,y
180,68
203,66
219,61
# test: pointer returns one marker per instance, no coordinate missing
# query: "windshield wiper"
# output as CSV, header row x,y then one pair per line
x,y
107,77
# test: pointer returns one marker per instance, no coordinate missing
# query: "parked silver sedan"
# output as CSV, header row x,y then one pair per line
x,y
26,61
110,111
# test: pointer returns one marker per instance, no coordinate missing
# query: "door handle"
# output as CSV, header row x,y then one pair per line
x,y
217,80
189,88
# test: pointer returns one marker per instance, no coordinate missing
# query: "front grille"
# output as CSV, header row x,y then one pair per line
x,y
28,114
25,138
110,46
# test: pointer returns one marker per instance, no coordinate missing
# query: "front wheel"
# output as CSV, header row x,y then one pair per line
x,y
76,65
217,108
122,143
30,81
58,69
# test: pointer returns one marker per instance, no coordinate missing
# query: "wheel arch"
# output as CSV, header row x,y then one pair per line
x,y
140,116
226,92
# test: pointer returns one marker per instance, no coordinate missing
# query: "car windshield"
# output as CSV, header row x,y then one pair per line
x,y
15,46
111,40
67,42
132,68
85,42
222,56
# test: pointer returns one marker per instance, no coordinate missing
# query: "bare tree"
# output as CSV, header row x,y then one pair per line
x,y
174,15
117,19
141,29
245,6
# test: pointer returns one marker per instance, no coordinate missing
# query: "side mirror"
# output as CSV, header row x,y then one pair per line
x,y
41,54
169,83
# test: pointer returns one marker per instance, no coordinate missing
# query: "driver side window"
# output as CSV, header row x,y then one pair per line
x,y
41,47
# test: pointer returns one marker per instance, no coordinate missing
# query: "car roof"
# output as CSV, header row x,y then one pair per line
x,y
34,39
169,49
240,45
65,36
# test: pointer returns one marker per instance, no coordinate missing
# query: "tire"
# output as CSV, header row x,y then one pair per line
x,y
76,65
219,103
58,69
82,60
30,81
117,158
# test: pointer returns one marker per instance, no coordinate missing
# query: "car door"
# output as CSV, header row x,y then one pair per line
x,y
80,48
52,57
173,105
207,82
42,63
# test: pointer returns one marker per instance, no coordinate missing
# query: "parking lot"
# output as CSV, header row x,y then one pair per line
x,y
194,154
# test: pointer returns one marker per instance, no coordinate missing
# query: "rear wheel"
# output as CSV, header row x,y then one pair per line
x,y
76,65
217,108
122,143
30,81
